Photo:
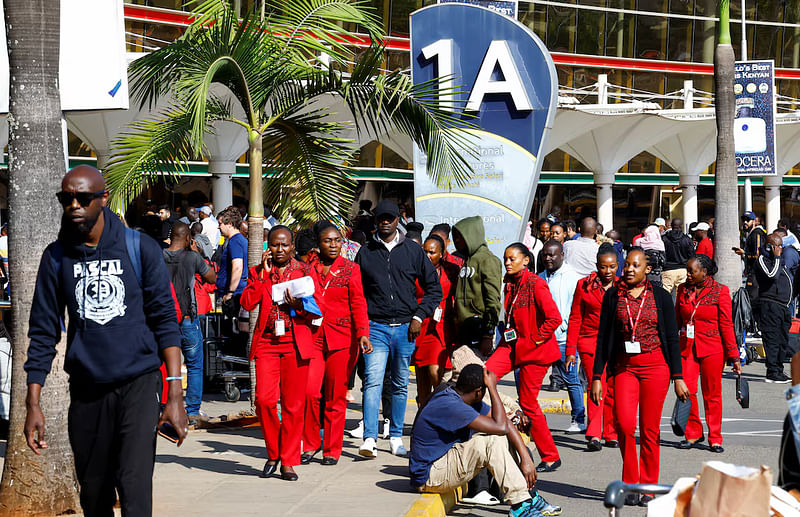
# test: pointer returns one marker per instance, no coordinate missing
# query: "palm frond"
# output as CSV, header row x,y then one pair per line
x,y
207,11
309,176
310,27
148,151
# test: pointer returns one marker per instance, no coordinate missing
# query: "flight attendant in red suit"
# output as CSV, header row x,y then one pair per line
x,y
529,344
638,340
344,329
584,323
283,344
704,309
433,347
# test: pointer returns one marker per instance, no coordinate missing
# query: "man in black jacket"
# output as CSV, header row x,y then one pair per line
x,y
391,268
774,297
122,324
679,249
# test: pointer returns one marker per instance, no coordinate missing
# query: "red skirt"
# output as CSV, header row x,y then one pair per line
x,y
429,349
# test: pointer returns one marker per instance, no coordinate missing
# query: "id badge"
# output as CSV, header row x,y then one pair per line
x,y
690,331
280,327
317,321
510,335
437,315
633,347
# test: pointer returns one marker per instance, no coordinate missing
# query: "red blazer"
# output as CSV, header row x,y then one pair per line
x,y
259,293
713,324
345,305
705,247
584,317
535,317
442,331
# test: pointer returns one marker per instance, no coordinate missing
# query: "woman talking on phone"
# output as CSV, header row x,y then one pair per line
x,y
584,323
638,342
283,344
707,340
344,329
529,344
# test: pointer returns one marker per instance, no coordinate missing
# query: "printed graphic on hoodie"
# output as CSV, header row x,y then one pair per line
x,y
100,292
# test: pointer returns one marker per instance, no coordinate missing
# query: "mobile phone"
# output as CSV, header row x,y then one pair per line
x,y
168,432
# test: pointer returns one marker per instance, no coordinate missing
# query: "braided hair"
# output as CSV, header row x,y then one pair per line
x,y
707,263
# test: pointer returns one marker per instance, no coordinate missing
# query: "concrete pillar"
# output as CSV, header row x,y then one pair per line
x,y
772,193
689,186
603,181
221,184
102,158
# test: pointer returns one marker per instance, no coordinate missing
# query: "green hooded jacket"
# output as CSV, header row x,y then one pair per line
x,y
480,279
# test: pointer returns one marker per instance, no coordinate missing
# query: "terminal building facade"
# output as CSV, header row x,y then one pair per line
x,y
613,57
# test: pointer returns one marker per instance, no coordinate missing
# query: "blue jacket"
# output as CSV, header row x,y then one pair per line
x,y
117,326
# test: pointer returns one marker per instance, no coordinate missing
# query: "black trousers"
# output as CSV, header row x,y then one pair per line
x,y
112,433
774,321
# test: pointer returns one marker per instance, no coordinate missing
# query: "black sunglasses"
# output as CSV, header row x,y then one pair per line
x,y
84,198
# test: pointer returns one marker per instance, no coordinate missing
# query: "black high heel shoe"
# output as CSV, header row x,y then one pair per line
x,y
288,476
269,469
329,461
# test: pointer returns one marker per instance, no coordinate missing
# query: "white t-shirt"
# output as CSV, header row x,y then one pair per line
x,y
211,230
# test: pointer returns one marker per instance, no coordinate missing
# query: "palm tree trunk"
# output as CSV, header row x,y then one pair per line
x,y
34,485
726,189
255,234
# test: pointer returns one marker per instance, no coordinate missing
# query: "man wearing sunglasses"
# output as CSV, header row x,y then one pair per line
x,y
122,325
774,296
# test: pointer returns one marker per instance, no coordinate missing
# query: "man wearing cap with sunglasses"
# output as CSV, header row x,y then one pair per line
x,y
391,268
122,325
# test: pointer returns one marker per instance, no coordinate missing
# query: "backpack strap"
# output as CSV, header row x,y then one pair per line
x,y
133,243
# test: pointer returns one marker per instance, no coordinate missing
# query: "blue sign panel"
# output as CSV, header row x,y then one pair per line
x,y
506,80
754,127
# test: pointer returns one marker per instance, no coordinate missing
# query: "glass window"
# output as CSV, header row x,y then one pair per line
x,y
771,10
680,40
651,32
791,47
560,29
656,6
398,61
704,41
681,6
368,155
620,29
590,33
596,3
534,17
705,8
649,81
401,9
767,44
554,162
392,160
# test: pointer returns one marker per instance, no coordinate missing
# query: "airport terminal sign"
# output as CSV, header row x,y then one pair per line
x,y
506,79
754,127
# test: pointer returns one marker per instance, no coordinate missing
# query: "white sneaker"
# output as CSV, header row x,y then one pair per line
x,y
396,445
575,427
358,432
368,449
386,425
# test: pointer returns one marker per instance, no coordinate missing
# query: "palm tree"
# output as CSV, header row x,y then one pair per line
x,y
34,485
726,188
272,68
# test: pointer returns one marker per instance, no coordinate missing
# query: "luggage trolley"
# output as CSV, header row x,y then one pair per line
x,y
223,365
616,491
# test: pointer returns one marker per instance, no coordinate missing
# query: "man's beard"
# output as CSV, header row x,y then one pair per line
x,y
78,230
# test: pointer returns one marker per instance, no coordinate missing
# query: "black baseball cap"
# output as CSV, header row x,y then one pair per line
x,y
387,207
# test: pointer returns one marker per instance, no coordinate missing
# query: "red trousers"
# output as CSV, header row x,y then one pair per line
x,y
332,367
710,371
281,375
640,381
600,421
530,382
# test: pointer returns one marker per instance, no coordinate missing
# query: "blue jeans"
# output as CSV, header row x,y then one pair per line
x,y
571,377
390,345
192,348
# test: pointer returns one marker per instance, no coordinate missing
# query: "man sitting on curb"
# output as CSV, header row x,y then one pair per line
x,y
453,440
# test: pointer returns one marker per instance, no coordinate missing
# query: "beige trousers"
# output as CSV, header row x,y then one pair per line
x,y
673,278
464,460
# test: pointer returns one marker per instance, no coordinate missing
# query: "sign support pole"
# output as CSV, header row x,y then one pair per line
x,y
748,185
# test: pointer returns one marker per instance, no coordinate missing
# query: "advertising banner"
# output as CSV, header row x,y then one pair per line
x,y
754,127
506,79
505,7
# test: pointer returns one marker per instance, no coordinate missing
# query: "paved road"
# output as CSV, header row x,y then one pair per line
x,y
752,437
